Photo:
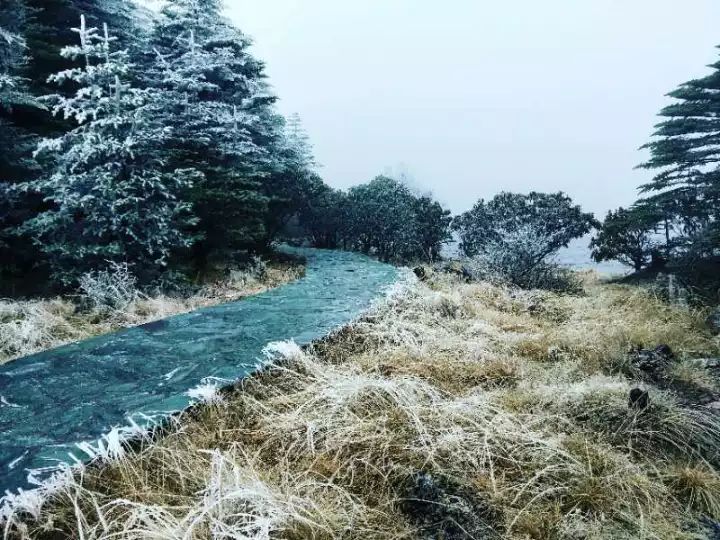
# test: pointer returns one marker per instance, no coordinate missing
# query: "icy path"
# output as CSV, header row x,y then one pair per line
x,y
50,401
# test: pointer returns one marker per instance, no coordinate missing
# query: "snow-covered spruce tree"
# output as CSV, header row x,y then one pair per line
x,y
49,29
17,109
292,180
113,198
222,122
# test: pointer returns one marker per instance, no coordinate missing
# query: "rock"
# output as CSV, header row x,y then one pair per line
x,y
713,321
638,399
420,272
458,269
653,360
440,508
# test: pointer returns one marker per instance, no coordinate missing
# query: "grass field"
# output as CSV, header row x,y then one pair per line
x,y
34,325
451,411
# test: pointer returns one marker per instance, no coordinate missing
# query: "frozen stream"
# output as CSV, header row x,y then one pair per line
x,y
51,400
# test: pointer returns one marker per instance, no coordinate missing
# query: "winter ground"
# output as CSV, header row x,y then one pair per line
x,y
34,325
451,410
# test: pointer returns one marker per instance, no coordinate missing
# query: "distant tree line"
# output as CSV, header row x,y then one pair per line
x,y
677,218
383,217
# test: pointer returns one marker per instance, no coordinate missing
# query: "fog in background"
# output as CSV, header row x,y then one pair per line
x,y
471,97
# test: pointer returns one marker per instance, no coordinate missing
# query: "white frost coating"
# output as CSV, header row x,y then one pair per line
x,y
110,448
205,392
5,402
170,374
400,287
31,501
282,350
237,504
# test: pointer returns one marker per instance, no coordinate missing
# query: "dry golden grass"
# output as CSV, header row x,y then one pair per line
x,y
31,326
449,411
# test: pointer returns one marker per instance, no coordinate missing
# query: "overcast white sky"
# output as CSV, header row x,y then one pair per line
x,y
472,97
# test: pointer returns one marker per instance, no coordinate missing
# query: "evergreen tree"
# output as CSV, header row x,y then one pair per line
x,y
686,153
113,198
222,122
323,214
49,29
16,140
292,181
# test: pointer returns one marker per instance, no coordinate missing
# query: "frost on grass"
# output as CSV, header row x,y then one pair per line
x,y
206,392
109,300
440,414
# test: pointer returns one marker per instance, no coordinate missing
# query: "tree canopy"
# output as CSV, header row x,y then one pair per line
x,y
551,218
386,218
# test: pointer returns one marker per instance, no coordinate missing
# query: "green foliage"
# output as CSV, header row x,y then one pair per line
x,y
512,237
49,29
223,123
628,236
17,141
291,182
322,213
385,218
550,218
112,197
685,153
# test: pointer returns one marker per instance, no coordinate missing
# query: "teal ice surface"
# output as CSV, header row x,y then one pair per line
x,y
54,399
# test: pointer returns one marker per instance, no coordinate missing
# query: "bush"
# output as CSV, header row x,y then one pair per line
x,y
512,238
385,218
112,289
627,236
517,259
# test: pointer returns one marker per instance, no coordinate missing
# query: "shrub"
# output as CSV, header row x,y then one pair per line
x,y
512,238
114,288
628,237
517,259
384,217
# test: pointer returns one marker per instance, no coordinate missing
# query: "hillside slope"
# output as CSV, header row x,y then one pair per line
x,y
451,410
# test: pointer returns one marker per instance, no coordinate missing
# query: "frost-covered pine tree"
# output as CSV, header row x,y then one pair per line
x,y
17,110
49,29
114,198
292,179
223,121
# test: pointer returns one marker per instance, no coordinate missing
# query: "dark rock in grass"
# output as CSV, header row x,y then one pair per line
x,y
713,321
457,269
443,509
420,272
652,360
638,399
